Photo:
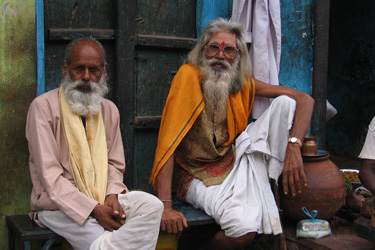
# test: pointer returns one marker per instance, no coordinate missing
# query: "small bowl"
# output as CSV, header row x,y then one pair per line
x,y
355,184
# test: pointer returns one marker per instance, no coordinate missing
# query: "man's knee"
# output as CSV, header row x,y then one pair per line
x,y
154,205
243,241
284,101
284,106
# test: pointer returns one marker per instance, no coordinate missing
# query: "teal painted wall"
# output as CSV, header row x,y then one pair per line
x,y
296,63
208,10
17,89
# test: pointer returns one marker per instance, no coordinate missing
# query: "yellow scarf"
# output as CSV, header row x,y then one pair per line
x,y
87,150
184,104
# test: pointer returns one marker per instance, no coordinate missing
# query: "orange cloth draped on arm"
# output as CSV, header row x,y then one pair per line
x,y
184,104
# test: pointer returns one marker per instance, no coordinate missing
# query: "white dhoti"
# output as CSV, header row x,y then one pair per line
x,y
140,231
244,202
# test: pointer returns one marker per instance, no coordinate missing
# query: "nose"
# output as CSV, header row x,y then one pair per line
x,y
220,54
86,75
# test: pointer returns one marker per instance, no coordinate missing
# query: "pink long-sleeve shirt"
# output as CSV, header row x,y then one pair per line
x,y
53,183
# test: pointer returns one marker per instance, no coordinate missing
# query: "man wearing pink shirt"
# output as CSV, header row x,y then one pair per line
x,y
77,161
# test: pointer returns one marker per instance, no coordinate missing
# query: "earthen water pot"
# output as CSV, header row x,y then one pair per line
x,y
325,189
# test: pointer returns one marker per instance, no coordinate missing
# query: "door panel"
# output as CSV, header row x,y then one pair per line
x,y
174,18
65,20
165,32
156,69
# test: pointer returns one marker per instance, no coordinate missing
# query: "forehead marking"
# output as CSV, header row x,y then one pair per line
x,y
222,45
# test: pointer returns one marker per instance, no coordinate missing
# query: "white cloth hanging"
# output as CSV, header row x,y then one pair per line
x,y
262,26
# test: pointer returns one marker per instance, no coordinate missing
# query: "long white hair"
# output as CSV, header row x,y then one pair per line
x,y
197,54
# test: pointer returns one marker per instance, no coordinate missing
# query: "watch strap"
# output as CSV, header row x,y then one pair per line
x,y
295,140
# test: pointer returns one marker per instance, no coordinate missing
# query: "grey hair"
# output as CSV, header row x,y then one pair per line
x,y
196,55
71,44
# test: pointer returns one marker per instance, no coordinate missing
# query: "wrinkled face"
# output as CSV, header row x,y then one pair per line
x,y
226,41
85,64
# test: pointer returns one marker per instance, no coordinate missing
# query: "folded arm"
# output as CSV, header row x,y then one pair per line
x,y
293,174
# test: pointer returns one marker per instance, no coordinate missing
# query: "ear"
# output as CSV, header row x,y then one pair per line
x,y
106,70
64,68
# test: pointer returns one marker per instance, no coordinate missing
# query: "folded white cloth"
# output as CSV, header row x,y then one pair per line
x,y
143,214
244,202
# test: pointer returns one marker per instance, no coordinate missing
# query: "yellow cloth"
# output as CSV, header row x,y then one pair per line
x,y
87,150
184,104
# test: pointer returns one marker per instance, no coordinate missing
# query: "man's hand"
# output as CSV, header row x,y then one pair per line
x,y
110,215
173,221
293,172
112,201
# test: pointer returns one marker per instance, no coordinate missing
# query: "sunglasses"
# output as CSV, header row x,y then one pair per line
x,y
213,49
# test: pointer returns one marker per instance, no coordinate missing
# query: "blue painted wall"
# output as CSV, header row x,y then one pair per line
x,y
39,13
208,10
297,19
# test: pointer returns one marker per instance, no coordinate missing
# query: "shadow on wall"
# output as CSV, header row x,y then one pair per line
x,y
351,75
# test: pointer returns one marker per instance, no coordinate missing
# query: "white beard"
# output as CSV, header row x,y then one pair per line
x,y
84,103
218,82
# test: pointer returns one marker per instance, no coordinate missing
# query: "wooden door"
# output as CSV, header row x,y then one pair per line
x,y
152,45
146,42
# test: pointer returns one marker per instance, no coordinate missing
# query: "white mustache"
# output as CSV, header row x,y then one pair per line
x,y
223,63
84,103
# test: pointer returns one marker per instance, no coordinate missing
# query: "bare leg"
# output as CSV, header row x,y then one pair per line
x,y
222,242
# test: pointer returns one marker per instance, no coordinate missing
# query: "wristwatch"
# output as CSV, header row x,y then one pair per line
x,y
295,140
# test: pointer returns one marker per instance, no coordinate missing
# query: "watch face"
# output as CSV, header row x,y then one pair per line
x,y
293,139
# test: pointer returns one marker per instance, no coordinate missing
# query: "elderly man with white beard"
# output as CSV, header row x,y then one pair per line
x,y
221,164
77,161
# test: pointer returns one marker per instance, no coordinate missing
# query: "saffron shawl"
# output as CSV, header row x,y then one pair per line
x,y
184,104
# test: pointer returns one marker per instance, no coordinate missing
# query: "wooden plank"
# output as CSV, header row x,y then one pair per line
x,y
98,14
70,34
125,82
154,76
193,216
26,229
167,17
144,154
147,122
166,41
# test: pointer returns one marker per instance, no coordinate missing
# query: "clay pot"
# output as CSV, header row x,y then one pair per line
x,y
325,190
309,146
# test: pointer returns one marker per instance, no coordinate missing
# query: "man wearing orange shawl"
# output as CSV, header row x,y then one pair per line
x,y
221,163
